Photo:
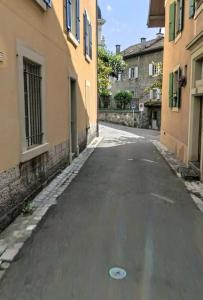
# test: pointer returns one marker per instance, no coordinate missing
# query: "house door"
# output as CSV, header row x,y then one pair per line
x,y
200,131
73,117
154,120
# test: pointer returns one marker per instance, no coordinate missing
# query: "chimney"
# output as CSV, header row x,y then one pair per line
x,y
143,40
118,49
159,34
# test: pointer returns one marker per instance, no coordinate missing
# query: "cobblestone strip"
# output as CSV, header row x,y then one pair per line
x,y
13,238
195,188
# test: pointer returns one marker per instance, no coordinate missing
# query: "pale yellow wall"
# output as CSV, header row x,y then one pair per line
x,y
174,132
43,32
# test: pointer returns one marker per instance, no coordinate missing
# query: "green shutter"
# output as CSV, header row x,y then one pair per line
x,y
171,90
181,16
179,89
172,15
191,8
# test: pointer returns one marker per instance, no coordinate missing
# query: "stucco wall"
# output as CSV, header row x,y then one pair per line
x,y
43,32
174,132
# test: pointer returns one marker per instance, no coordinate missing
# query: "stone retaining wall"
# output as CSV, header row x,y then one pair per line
x,y
125,118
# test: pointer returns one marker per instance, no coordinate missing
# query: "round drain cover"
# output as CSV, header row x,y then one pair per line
x,y
117,273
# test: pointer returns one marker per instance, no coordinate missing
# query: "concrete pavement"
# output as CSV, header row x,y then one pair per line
x,y
125,209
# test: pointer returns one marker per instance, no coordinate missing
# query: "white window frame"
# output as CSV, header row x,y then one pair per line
x,y
157,94
154,69
130,73
23,51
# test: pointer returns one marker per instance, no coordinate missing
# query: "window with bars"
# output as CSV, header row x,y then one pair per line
x,y
33,103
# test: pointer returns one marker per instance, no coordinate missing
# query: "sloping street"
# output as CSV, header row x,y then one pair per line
x,y
126,209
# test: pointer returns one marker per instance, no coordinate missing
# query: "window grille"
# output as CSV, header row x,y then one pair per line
x,y
33,103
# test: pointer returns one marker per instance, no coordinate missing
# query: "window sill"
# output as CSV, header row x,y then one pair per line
x,y
42,4
36,151
88,59
198,11
72,39
178,37
175,109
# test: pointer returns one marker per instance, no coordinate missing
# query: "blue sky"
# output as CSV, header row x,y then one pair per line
x,y
125,22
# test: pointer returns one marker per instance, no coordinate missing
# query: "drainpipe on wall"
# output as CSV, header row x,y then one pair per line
x,y
97,126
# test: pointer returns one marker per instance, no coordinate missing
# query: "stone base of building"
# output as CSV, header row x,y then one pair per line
x,y
174,145
22,182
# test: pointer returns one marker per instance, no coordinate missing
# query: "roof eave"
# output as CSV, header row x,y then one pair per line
x,y
147,51
156,17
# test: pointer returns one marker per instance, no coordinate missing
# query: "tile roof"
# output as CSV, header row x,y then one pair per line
x,y
143,48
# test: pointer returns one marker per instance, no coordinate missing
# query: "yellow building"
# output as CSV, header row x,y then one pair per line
x,y
48,92
182,109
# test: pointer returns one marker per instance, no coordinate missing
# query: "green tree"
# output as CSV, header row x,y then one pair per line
x,y
123,98
109,65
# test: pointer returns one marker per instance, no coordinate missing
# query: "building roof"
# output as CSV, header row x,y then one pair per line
x,y
156,17
99,14
145,47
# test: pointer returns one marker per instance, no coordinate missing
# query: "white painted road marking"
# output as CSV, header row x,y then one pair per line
x,y
163,198
150,161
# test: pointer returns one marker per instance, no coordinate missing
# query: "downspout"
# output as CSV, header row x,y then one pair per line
x,y
97,126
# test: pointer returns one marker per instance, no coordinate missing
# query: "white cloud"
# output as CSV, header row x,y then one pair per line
x,y
109,8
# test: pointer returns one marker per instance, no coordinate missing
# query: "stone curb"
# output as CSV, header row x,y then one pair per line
x,y
12,239
195,188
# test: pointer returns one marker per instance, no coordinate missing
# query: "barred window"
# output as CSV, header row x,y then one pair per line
x,y
33,103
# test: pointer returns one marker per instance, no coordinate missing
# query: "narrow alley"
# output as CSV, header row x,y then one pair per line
x,y
126,209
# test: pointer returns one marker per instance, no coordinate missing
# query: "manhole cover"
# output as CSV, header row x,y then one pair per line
x,y
117,273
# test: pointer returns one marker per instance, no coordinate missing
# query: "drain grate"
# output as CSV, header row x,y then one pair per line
x,y
117,273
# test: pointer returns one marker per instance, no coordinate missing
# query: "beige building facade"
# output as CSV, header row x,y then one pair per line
x,y
182,116
48,92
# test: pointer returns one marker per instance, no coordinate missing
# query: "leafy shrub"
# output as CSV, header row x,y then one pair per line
x,y
123,99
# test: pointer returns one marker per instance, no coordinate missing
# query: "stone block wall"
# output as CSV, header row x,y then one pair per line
x,y
125,118
22,182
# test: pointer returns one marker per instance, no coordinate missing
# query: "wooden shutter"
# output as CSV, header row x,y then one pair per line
x,y
150,69
68,14
172,16
191,8
136,72
171,90
179,89
90,41
158,94
78,20
151,94
86,51
181,16
129,73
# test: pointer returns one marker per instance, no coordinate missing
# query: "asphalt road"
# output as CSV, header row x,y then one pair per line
x,y
125,209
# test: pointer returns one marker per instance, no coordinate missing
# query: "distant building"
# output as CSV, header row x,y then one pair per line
x,y
143,68
100,24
